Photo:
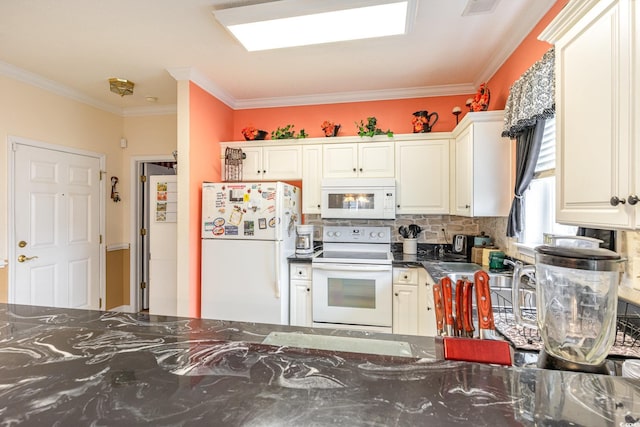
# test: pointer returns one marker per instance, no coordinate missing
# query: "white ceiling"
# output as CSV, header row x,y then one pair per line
x,y
74,46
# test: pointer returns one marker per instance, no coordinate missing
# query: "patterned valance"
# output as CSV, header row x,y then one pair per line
x,y
531,97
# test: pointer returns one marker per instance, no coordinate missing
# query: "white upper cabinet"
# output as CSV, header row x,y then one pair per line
x,y
362,159
482,166
422,176
269,163
598,125
311,178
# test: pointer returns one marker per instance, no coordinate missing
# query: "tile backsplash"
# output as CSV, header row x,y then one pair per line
x,y
432,225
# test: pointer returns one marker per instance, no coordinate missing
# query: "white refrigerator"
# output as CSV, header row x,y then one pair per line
x,y
248,231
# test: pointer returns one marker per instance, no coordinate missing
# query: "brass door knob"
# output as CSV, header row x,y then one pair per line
x,y
23,258
22,244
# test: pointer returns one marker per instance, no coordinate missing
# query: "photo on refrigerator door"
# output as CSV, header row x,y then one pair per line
x,y
249,228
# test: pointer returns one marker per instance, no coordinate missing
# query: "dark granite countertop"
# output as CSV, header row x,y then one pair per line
x,y
77,367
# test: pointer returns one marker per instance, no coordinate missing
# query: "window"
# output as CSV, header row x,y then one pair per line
x,y
540,197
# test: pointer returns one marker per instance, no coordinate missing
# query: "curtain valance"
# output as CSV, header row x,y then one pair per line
x,y
531,97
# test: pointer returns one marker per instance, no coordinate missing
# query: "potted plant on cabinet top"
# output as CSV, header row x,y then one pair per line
x,y
370,129
250,133
287,132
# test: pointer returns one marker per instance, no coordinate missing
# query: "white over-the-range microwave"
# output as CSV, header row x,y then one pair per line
x,y
358,198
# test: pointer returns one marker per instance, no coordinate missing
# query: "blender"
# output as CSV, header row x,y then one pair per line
x,y
576,305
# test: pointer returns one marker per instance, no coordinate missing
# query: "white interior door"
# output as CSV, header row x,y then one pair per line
x,y
56,228
163,202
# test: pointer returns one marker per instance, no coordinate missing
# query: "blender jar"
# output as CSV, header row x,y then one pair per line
x,y
577,297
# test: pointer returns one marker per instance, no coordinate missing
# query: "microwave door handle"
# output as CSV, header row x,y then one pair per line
x,y
352,267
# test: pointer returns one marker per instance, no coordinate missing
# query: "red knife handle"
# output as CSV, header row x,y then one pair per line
x,y
437,301
459,304
447,294
483,300
467,307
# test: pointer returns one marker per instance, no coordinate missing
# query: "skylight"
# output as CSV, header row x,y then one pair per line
x,y
290,23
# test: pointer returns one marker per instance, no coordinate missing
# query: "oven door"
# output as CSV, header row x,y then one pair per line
x,y
353,294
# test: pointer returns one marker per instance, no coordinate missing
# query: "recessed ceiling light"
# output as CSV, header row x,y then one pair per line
x,y
151,98
289,23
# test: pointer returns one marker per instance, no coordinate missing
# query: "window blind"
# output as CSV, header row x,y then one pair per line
x,y
547,157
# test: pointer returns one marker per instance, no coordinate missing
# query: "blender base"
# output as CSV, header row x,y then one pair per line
x,y
548,361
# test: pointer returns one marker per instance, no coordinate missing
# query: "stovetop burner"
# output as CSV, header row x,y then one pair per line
x,y
361,244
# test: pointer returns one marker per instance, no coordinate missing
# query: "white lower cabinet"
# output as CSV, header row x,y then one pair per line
x,y
300,294
413,312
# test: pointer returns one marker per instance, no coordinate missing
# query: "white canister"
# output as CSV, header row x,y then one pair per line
x,y
410,246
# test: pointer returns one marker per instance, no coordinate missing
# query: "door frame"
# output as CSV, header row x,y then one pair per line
x,y
135,212
11,180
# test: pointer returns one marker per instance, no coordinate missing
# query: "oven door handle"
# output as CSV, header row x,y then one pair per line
x,y
351,267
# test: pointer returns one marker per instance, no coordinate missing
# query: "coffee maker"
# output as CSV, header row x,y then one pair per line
x,y
304,239
462,245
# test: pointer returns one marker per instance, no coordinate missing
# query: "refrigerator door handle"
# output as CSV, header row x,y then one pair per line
x,y
277,281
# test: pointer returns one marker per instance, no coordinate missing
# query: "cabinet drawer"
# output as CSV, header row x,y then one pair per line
x,y
405,276
300,271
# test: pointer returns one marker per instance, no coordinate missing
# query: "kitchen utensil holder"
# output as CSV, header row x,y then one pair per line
x,y
410,246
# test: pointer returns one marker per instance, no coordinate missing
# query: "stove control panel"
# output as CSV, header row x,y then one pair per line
x,y
357,234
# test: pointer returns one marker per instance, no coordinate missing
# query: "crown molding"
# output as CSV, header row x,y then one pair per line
x,y
357,96
32,79
194,75
38,81
573,12
517,33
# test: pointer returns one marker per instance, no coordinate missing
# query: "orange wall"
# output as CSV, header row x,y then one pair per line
x,y
395,115
530,50
210,123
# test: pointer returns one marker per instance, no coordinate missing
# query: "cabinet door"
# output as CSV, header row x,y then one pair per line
x,y
282,162
252,164
405,309
376,159
463,161
340,160
593,155
311,178
422,177
426,306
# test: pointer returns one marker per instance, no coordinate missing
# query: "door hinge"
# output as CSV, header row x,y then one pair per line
x,y
143,231
102,173
99,302
143,285
143,178
101,239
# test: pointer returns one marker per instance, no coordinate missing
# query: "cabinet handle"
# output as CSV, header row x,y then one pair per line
x,y
633,199
428,308
406,277
308,290
264,171
398,206
396,294
318,206
615,201
360,169
354,169
467,206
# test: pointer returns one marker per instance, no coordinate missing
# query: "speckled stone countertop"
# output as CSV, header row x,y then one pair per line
x,y
76,367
